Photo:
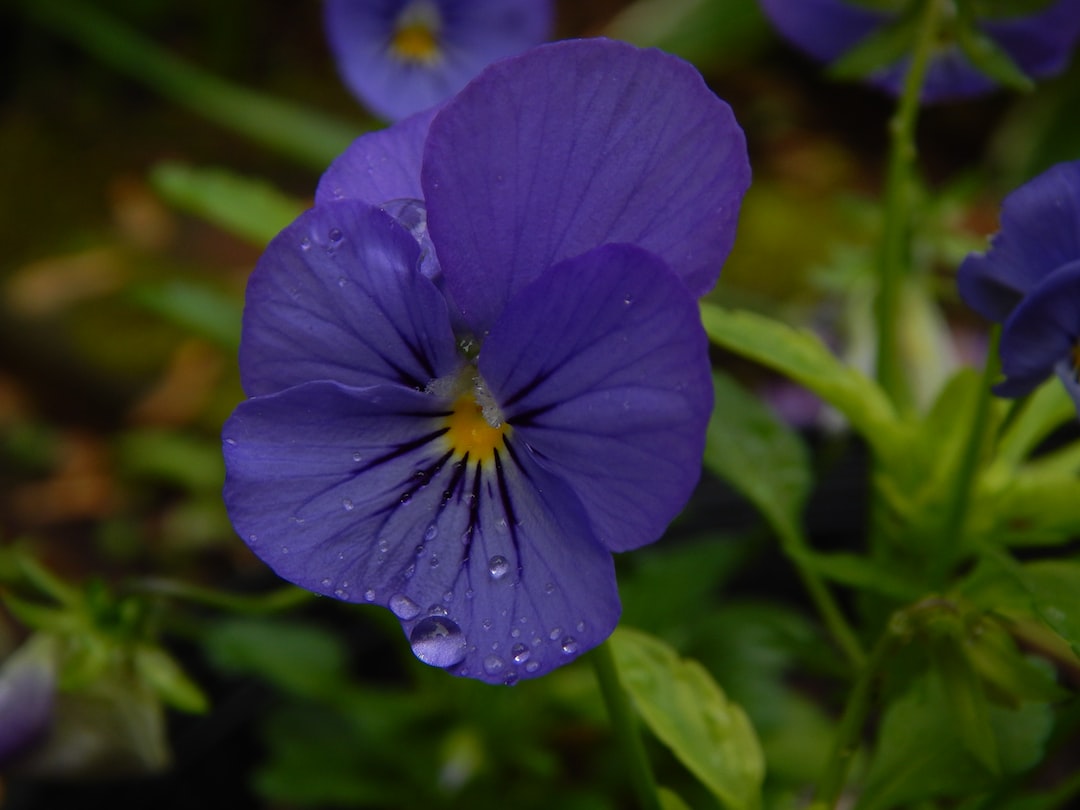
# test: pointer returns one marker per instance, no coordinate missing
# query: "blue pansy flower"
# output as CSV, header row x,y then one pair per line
x,y
402,56
27,697
476,366
1038,43
1029,280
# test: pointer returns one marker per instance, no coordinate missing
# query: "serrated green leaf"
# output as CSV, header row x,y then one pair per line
x,y
802,357
251,209
689,713
757,454
159,670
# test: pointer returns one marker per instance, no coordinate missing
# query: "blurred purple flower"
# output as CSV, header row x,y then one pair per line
x,y
1039,43
1030,281
402,56
27,694
461,412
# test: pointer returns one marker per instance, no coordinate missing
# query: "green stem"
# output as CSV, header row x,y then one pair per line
x,y
963,484
793,543
273,602
898,209
846,742
625,727
308,136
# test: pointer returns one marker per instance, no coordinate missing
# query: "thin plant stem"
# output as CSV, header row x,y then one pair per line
x,y
273,602
793,543
846,743
625,726
899,183
963,483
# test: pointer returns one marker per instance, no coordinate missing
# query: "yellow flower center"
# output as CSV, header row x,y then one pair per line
x,y
470,432
416,41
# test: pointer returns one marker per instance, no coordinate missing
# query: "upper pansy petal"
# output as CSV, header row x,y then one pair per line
x,y
379,166
1040,232
491,567
614,144
1039,43
450,42
601,366
823,29
337,295
1042,331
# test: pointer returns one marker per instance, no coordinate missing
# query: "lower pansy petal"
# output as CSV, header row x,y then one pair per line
x,y
338,295
488,561
601,367
1042,332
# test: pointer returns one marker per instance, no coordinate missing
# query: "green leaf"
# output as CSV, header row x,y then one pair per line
x,y
859,572
988,57
689,713
802,357
159,670
669,800
1046,409
1054,586
884,46
921,755
298,658
192,462
251,209
706,32
965,701
202,309
758,455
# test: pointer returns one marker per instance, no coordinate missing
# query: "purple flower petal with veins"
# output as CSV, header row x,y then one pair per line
x,y
472,468
403,56
1030,281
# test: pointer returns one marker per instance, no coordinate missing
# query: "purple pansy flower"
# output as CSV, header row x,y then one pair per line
x,y
27,695
1030,281
403,56
477,366
1039,43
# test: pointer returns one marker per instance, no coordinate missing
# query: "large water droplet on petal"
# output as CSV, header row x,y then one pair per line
x,y
404,607
438,642
498,567
569,645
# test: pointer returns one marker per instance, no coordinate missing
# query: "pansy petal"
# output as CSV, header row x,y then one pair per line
x,y
1044,330
1040,43
823,29
1040,232
492,568
601,366
465,35
27,696
614,144
379,166
337,296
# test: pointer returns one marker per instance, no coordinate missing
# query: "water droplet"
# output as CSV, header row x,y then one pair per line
x,y
569,645
334,235
431,533
510,679
408,572
438,642
470,593
305,244
498,567
341,593
515,633
448,596
581,627
628,299
532,666
231,442
436,610
347,504
520,653
404,607
434,561
326,582
405,498
369,595
493,665
500,525
487,624
284,549
555,633
549,588
253,539
343,282
357,457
